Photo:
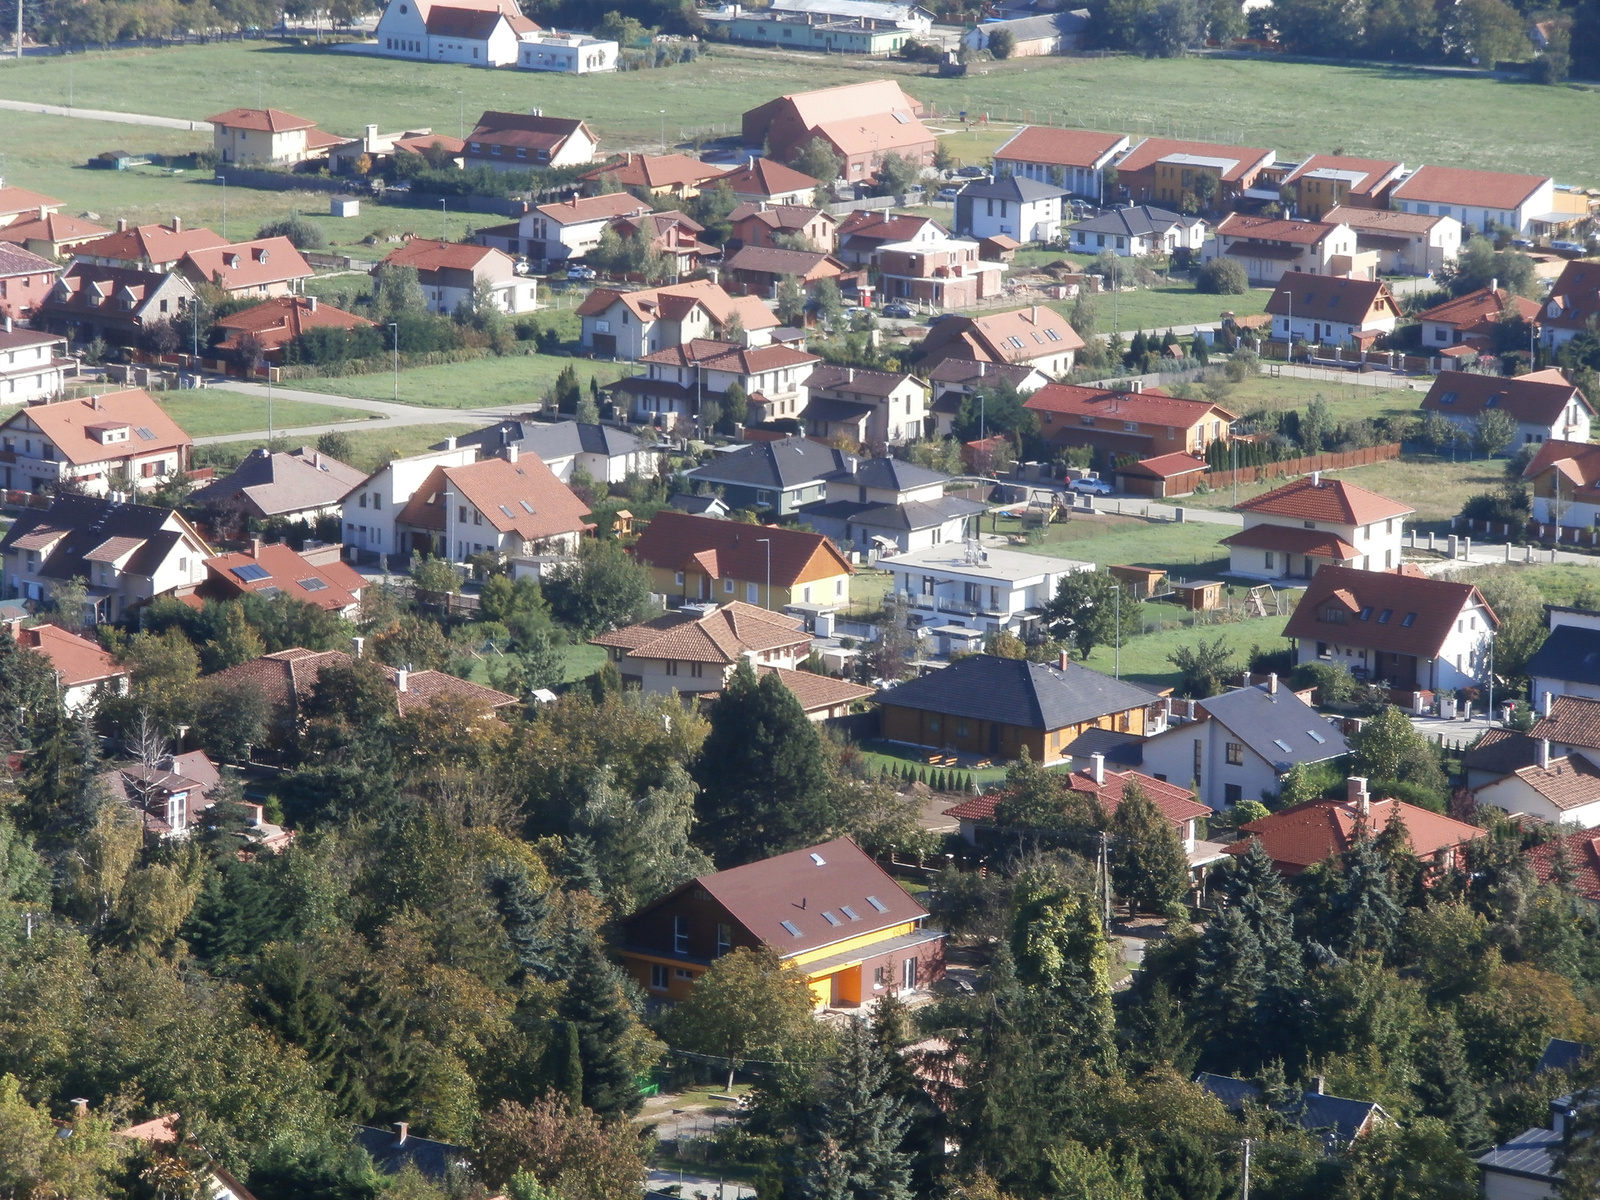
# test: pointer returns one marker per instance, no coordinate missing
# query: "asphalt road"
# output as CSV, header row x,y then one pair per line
x,y
387,412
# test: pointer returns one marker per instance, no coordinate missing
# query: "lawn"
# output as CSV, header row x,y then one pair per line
x,y
1144,658
1166,305
207,413
1388,112
481,383
1190,550
1350,401
373,447
1436,489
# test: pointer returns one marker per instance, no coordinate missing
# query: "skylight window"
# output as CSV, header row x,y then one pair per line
x,y
877,904
1052,335
251,572
1366,613
792,928
271,593
850,912
526,507
1409,620
313,584
1316,737
819,860
1383,617
1282,745
831,919
506,509
146,433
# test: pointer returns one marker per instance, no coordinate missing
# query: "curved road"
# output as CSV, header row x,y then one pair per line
x,y
390,414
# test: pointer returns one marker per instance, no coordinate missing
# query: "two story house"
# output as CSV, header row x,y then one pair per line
x,y
827,911
1240,745
563,231
450,271
126,554
891,506
762,270
1566,484
1568,662
1480,200
1143,422
25,281
1014,206
1337,312
1001,706
485,32
267,137
86,442
691,651
1402,630
169,796
1545,404
1312,522
260,268
1074,159
969,588
1138,230
112,303
955,379
1269,249
1036,337
80,666
678,379
871,408
917,259
779,476
617,323
1573,303
762,224
1405,243
694,559
33,366
1474,319
506,141
51,234
1328,181
1165,172
672,234
146,247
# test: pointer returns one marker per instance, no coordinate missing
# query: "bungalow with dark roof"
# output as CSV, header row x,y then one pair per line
x,y
1407,631
1339,1121
780,475
1546,405
1314,522
1137,230
1074,159
954,379
608,454
694,559
1035,36
1000,706
828,911
1324,311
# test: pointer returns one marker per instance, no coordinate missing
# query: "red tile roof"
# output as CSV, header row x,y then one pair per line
x,y
282,319
1348,301
1177,804
1479,189
726,356
288,677
1059,147
525,129
150,243
1406,614
523,497
804,265
1540,397
580,209
650,304
1150,151
1480,311
76,660
1375,172
1306,834
722,637
52,227
655,171
817,693
1315,542
1312,498
764,177
427,255
1567,783
1270,229
267,120
68,425
677,541
1167,466
14,260
424,141
1575,298
1578,462
333,586
1149,407
1573,721
20,200
875,133
252,264
1583,861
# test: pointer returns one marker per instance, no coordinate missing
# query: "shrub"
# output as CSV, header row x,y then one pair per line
x,y
306,235
1223,277
1334,683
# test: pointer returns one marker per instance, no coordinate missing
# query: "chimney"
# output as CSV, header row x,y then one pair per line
x,y
511,453
1097,768
177,224
1035,314
122,224
1316,479
1547,704
850,463
94,402
44,212
402,678
311,304
1494,286
1061,663
371,140
450,442
402,1131
1544,754
255,547
983,369
849,374
357,645
80,1106
1189,709
1317,1084
1244,678
751,164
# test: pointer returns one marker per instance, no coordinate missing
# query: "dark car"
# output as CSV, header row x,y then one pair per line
x,y
902,311
973,173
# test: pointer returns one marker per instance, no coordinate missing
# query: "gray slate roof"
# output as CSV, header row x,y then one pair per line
x,y
432,1159
1027,28
91,521
281,483
826,408
1562,1055
914,515
888,474
699,505
1014,692
1014,187
558,439
1336,1117
1140,220
1530,1155
1120,749
1261,721
787,463
1570,653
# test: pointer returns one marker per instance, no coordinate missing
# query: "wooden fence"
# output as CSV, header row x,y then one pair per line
x,y
1305,465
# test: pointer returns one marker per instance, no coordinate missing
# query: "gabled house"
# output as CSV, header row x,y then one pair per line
x,y
1034,36
606,453
1528,1166
33,365
450,271
567,229
860,122
1144,423
1480,200
1240,745
1137,230
891,506
506,141
1028,210
80,666
694,559
393,1153
1162,171
126,554
169,795
871,408
19,204
761,270
1406,631
1339,1121
1566,484
1546,405
1567,663
25,281
1302,836
408,29
1037,337
1573,304
273,324
146,247
690,651
964,592
1329,181
268,136
1270,249
264,267
677,380
112,303
954,379
1475,318
821,697
761,224
673,235
653,175
828,911
315,576
1074,159
864,232
1561,790
1000,706
1313,522
1324,311
1405,243
764,181
51,234
917,259
86,441
1581,849
1571,726
616,323
780,475
293,485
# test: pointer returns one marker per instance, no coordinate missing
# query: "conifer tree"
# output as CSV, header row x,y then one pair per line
x,y
593,1002
1149,867
851,1144
1447,1087
524,913
1231,972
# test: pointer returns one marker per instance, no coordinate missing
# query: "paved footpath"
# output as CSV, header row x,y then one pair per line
x,y
101,114
386,412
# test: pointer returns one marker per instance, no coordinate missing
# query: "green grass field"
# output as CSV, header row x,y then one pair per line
x,y
1164,306
208,413
1144,658
373,447
1351,402
484,382
1189,550
1436,489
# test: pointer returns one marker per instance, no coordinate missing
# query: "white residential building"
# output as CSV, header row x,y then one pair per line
x,y
450,272
482,33
1014,206
979,588
1480,200
33,365
371,507
1312,522
570,229
567,53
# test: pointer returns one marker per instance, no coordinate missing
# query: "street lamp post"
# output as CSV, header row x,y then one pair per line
x,y
663,113
444,217
768,544
395,327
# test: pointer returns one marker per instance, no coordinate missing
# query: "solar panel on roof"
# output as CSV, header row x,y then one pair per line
x,y
313,584
145,432
271,593
251,572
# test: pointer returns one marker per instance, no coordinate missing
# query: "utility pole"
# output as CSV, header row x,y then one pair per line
x,y
1105,882
1244,1185
768,542
444,217
1117,668
396,328
19,58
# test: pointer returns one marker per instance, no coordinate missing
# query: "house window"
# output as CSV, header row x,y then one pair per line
x,y
677,578
908,975
1199,756
1232,793
880,976
1235,754
724,938
1269,560
752,594
658,977
728,586
680,935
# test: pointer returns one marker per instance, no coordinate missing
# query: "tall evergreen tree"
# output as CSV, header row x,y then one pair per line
x,y
1149,867
1447,1087
851,1146
1183,1168
1231,974
593,1003
524,913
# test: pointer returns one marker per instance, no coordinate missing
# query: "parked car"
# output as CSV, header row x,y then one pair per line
x,y
900,311
580,274
1563,246
948,193
1091,487
973,173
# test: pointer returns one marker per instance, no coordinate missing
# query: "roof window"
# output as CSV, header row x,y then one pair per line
x,y
251,572
1316,737
146,433
506,509
1383,617
313,584
792,928
877,904
831,919
1409,620
850,912
526,507
819,860
1366,613
1448,398
1282,745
